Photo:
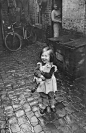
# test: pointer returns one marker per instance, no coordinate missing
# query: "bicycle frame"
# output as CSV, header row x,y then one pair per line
x,y
24,29
25,32
13,30
11,27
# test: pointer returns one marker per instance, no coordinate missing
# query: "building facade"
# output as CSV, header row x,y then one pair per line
x,y
39,12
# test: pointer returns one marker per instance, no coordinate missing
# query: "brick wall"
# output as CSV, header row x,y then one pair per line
x,y
73,15
4,12
4,16
46,20
46,13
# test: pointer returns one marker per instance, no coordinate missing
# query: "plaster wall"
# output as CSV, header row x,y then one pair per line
x,y
73,15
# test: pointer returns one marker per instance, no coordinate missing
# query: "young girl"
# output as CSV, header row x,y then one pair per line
x,y
45,79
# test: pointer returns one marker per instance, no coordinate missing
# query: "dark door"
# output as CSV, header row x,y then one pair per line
x,y
58,2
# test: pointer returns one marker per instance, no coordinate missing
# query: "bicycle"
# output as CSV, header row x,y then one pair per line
x,y
29,32
13,39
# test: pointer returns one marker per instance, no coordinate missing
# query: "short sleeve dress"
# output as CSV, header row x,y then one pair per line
x,y
47,85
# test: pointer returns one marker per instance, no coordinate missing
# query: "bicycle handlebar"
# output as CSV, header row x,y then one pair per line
x,y
21,25
13,25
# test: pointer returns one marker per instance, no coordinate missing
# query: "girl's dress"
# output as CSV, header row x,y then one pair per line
x,y
49,84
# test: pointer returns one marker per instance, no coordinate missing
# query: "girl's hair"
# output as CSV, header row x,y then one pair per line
x,y
52,56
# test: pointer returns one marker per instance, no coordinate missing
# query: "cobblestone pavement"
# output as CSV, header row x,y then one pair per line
x,y
19,111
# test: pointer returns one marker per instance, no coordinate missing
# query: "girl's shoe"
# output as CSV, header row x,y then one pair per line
x,y
53,109
42,108
42,111
48,109
51,95
33,90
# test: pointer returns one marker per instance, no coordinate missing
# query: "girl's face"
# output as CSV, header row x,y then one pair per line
x,y
45,57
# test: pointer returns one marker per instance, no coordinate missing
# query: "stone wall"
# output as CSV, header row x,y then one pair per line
x,y
73,15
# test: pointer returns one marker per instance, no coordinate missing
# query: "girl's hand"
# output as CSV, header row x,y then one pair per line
x,y
55,68
39,64
42,77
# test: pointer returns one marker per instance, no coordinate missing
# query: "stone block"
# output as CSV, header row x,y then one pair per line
x,y
34,120
35,108
26,128
22,120
29,114
26,107
15,128
33,103
30,99
12,120
19,113
37,129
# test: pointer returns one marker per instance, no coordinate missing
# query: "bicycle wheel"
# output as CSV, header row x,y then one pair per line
x,y
2,31
13,41
32,37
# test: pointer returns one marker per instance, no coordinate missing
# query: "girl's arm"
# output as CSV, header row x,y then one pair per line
x,y
48,75
37,72
38,66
